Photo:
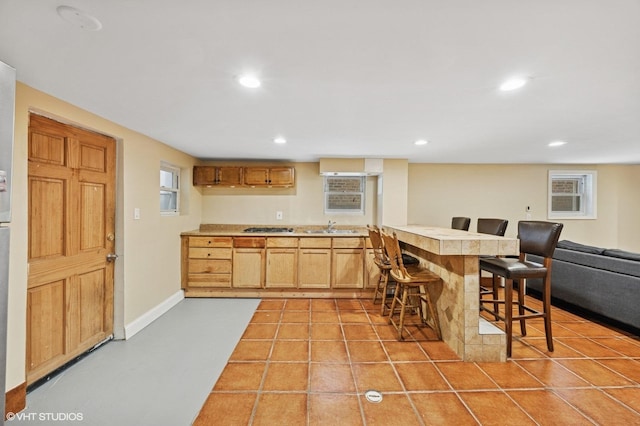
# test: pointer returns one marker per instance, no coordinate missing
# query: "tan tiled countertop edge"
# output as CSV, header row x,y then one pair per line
x,y
298,230
448,242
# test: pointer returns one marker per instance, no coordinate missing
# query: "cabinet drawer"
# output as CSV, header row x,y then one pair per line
x,y
313,242
209,253
249,242
210,241
282,242
209,280
348,242
218,266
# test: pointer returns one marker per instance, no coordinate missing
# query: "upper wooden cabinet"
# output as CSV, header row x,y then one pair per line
x,y
213,175
269,176
263,177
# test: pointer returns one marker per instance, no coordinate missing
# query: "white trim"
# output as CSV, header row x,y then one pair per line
x,y
152,314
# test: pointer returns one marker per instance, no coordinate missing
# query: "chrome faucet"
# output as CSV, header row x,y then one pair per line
x,y
330,225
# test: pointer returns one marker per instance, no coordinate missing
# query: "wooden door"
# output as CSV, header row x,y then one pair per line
x,y
71,194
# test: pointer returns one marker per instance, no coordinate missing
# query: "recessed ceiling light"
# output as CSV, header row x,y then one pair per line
x,y
249,80
79,18
280,140
421,142
556,143
513,84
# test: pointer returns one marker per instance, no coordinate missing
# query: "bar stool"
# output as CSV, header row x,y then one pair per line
x,y
492,227
411,289
461,223
537,238
384,266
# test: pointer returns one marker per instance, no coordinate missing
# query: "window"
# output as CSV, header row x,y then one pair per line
x,y
572,194
344,194
169,189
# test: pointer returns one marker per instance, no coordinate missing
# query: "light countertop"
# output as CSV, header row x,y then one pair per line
x,y
446,241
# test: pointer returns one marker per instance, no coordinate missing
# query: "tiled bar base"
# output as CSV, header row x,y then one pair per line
x,y
453,255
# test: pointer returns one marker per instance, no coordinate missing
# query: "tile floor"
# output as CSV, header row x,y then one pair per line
x,y
309,362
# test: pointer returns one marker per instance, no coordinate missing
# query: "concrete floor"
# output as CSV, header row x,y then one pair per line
x,y
161,376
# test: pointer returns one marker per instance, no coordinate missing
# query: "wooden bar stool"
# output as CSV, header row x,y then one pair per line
x,y
538,238
384,266
411,289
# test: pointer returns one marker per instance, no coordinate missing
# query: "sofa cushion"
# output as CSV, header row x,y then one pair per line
x,y
621,254
570,245
598,261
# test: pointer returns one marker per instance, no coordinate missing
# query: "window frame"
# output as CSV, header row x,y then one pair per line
x,y
175,188
587,194
361,193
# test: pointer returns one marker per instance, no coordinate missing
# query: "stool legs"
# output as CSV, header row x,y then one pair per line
x,y
525,312
546,307
402,297
381,289
381,285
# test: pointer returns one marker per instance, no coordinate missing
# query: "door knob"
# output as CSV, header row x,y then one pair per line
x,y
111,257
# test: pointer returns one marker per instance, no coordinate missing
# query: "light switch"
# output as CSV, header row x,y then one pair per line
x,y
136,213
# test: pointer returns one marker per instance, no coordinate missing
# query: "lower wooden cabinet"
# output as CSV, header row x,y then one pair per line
x,y
281,270
371,270
208,262
347,268
314,268
248,268
249,265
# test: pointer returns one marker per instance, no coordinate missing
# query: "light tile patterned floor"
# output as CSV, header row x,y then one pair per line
x,y
309,362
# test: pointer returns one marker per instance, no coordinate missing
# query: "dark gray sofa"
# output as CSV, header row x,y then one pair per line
x,y
602,281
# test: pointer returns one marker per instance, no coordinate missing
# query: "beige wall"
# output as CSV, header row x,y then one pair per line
x,y
439,191
148,271
302,205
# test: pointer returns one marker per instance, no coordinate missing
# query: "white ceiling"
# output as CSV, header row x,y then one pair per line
x,y
343,78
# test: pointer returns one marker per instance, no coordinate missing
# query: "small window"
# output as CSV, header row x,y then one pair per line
x,y
572,194
169,189
344,194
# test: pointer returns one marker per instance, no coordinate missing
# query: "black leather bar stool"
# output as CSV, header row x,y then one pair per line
x,y
461,223
538,238
492,227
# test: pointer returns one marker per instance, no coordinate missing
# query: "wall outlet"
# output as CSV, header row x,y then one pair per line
x,y
278,215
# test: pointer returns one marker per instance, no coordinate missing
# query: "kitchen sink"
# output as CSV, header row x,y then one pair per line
x,y
330,231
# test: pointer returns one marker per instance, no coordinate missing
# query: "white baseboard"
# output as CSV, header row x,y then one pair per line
x,y
152,314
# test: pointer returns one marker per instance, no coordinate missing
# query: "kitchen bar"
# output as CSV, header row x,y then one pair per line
x,y
454,256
